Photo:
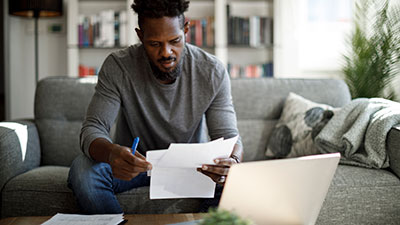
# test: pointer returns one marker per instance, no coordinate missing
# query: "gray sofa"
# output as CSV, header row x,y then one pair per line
x,y
35,154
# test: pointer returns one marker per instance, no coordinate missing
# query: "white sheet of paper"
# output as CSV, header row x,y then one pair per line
x,y
76,219
194,155
177,182
153,157
180,183
174,172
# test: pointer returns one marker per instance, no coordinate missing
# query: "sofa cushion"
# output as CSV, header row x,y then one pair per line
x,y
60,107
253,134
393,146
300,122
264,98
19,149
258,104
38,192
357,193
44,192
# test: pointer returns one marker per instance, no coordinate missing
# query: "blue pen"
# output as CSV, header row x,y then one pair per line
x,y
134,145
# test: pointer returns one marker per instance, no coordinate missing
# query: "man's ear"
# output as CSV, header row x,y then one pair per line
x,y
139,34
186,27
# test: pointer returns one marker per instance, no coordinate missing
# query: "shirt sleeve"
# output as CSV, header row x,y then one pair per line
x,y
221,116
104,106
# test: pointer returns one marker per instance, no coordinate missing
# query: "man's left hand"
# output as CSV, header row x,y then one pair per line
x,y
219,171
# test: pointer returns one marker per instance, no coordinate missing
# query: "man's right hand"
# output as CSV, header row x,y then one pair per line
x,y
124,164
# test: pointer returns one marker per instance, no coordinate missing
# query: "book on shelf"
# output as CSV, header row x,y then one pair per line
x,y
251,30
106,29
85,71
201,32
250,71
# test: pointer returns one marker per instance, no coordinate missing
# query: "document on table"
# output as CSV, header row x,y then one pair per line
x,y
76,219
174,173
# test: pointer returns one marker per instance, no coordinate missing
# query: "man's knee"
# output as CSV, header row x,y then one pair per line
x,y
85,173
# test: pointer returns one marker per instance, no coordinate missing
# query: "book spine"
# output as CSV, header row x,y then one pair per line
x,y
116,29
86,32
80,31
90,31
204,32
188,36
199,33
123,40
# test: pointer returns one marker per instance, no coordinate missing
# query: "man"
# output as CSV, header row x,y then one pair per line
x,y
163,90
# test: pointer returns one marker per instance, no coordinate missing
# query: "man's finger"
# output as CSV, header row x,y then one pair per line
x,y
131,169
225,161
138,158
130,164
139,155
138,161
216,169
213,176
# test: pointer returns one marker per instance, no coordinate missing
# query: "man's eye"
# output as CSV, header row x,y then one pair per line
x,y
176,41
154,44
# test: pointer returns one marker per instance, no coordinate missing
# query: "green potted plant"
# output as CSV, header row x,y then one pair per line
x,y
373,60
223,217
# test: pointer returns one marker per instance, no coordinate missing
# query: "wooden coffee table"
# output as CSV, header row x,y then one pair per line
x,y
142,219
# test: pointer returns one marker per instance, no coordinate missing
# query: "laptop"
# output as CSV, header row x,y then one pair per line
x,y
282,191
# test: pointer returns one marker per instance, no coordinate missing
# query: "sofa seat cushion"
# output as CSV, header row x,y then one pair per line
x,y
38,192
44,192
357,193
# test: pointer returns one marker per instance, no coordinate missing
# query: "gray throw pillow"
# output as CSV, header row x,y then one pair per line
x,y
300,122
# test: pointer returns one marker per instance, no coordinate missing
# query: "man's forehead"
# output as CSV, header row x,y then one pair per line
x,y
163,24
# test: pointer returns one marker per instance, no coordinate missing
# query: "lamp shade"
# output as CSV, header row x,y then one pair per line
x,y
35,8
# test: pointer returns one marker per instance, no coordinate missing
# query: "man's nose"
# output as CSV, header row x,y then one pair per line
x,y
166,50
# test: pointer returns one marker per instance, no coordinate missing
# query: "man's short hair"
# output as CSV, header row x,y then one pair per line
x,y
160,8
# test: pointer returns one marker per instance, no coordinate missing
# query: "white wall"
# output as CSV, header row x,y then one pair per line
x,y
21,64
305,47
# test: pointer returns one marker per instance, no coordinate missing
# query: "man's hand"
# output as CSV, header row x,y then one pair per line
x,y
219,172
126,166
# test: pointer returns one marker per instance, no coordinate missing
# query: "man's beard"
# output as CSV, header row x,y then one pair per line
x,y
167,76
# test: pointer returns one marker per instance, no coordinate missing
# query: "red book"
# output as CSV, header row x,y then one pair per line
x,y
90,33
91,71
81,71
210,31
199,34
248,72
187,36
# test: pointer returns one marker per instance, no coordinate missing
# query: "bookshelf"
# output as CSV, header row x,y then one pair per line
x,y
91,55
213,16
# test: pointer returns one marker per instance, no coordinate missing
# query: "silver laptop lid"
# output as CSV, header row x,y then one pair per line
x,y
284,191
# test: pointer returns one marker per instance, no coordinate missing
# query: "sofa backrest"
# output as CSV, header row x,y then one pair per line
x,y
259,102
60,108
61,103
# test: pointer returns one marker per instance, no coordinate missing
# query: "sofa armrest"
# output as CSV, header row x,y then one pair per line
x,y
19,149
393,148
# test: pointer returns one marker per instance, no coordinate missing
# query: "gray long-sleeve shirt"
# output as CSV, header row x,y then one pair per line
x,y
157,113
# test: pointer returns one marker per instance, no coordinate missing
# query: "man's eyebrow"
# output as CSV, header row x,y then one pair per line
x,y
155,40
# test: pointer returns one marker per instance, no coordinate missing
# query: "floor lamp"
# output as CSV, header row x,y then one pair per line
x,y
36,9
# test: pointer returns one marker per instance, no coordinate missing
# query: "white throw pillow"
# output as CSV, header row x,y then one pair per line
x,y
300,122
